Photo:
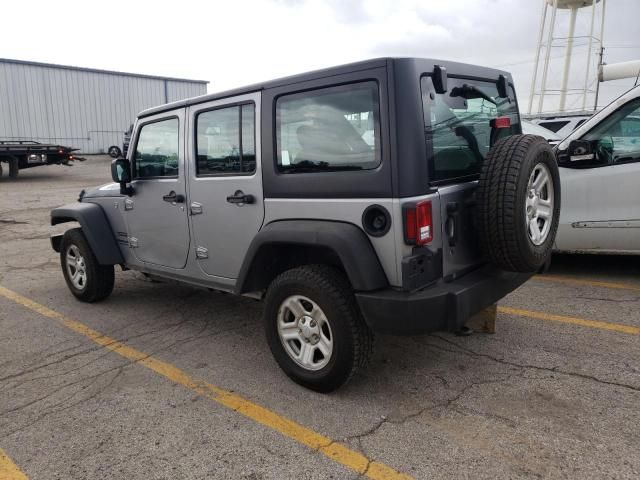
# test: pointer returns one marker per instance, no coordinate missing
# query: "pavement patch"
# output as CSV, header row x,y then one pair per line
x,y
336,451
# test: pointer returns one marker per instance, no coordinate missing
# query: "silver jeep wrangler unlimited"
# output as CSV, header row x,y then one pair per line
x,y
392,195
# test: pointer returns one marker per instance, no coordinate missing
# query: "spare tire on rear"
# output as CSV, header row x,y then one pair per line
x,y
518,203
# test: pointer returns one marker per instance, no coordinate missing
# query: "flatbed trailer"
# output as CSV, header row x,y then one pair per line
x,y
21,154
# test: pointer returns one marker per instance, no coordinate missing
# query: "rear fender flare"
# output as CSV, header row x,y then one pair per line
x,y
346,241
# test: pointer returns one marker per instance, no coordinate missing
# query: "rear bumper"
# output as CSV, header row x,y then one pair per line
x,y
441,307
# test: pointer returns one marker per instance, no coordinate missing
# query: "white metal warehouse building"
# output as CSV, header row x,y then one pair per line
x,y
79,107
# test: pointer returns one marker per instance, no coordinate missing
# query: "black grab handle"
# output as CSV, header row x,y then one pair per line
x,y
240,197
173,197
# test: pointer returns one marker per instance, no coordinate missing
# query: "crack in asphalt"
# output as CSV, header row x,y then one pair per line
x,y
127,363
469,352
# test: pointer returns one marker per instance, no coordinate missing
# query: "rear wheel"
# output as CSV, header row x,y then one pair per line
x,y
519,203
14,167
314,328
86,278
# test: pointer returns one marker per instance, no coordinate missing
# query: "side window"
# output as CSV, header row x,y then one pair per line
x,y
329,129
157,149
617,138
225,141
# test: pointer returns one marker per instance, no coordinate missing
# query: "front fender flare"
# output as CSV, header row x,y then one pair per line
x,y
95,227
347,241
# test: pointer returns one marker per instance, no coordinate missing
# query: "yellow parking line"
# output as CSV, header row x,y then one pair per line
x,y
591,283
337,452
616,327
8,469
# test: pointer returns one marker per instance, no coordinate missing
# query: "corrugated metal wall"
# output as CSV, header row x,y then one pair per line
x,y
85,109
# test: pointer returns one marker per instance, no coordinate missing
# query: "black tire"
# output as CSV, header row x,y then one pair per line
x,y
502,210
352,339
546,266
14,167
99,279
114,151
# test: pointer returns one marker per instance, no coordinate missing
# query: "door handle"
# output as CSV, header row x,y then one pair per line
x,y
173,197
240,198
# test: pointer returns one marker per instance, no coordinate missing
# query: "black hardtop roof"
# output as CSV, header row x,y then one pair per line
x,y
423,64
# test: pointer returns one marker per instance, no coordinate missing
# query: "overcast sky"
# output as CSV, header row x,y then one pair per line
x,y
233,43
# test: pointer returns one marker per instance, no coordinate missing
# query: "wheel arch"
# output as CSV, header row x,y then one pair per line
x,y
96,229
286,244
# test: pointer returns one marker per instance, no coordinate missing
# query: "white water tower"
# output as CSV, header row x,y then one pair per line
x,y
557,32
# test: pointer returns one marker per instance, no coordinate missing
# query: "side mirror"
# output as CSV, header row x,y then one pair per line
x,y
121,173
439,79
581,151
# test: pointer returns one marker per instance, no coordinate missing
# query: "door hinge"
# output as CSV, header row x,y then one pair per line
x,y
133,242
196,208
128,204
202,252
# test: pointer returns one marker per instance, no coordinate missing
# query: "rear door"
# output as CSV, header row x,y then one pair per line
x,y
459,135
156,214
225,182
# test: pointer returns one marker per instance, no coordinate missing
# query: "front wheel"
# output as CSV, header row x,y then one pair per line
x,y
86,278
314,328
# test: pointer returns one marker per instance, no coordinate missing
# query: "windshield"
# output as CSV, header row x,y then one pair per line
x,y
457,125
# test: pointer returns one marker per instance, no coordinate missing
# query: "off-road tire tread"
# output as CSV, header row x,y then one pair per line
x,y
333,283
497,206
100,278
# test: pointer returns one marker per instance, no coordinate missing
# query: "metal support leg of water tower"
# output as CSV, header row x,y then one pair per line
x,y
567,60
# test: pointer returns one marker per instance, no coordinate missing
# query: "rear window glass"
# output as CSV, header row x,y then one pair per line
x,y
458,125
329,129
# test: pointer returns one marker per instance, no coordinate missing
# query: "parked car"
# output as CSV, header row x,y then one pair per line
x,y
600,175
349,203
534,129
562,125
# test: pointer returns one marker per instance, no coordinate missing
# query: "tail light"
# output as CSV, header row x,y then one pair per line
x,y
500,122
418,223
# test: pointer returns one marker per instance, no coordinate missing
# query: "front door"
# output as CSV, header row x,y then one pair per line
x,y
601,203
156,214
225,182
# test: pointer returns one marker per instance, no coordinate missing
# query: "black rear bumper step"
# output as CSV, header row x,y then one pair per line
x,y
441,307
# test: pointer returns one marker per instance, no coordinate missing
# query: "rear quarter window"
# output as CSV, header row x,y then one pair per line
x,y
329,129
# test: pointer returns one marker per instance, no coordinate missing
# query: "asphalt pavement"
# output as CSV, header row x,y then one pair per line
x,y
164,381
